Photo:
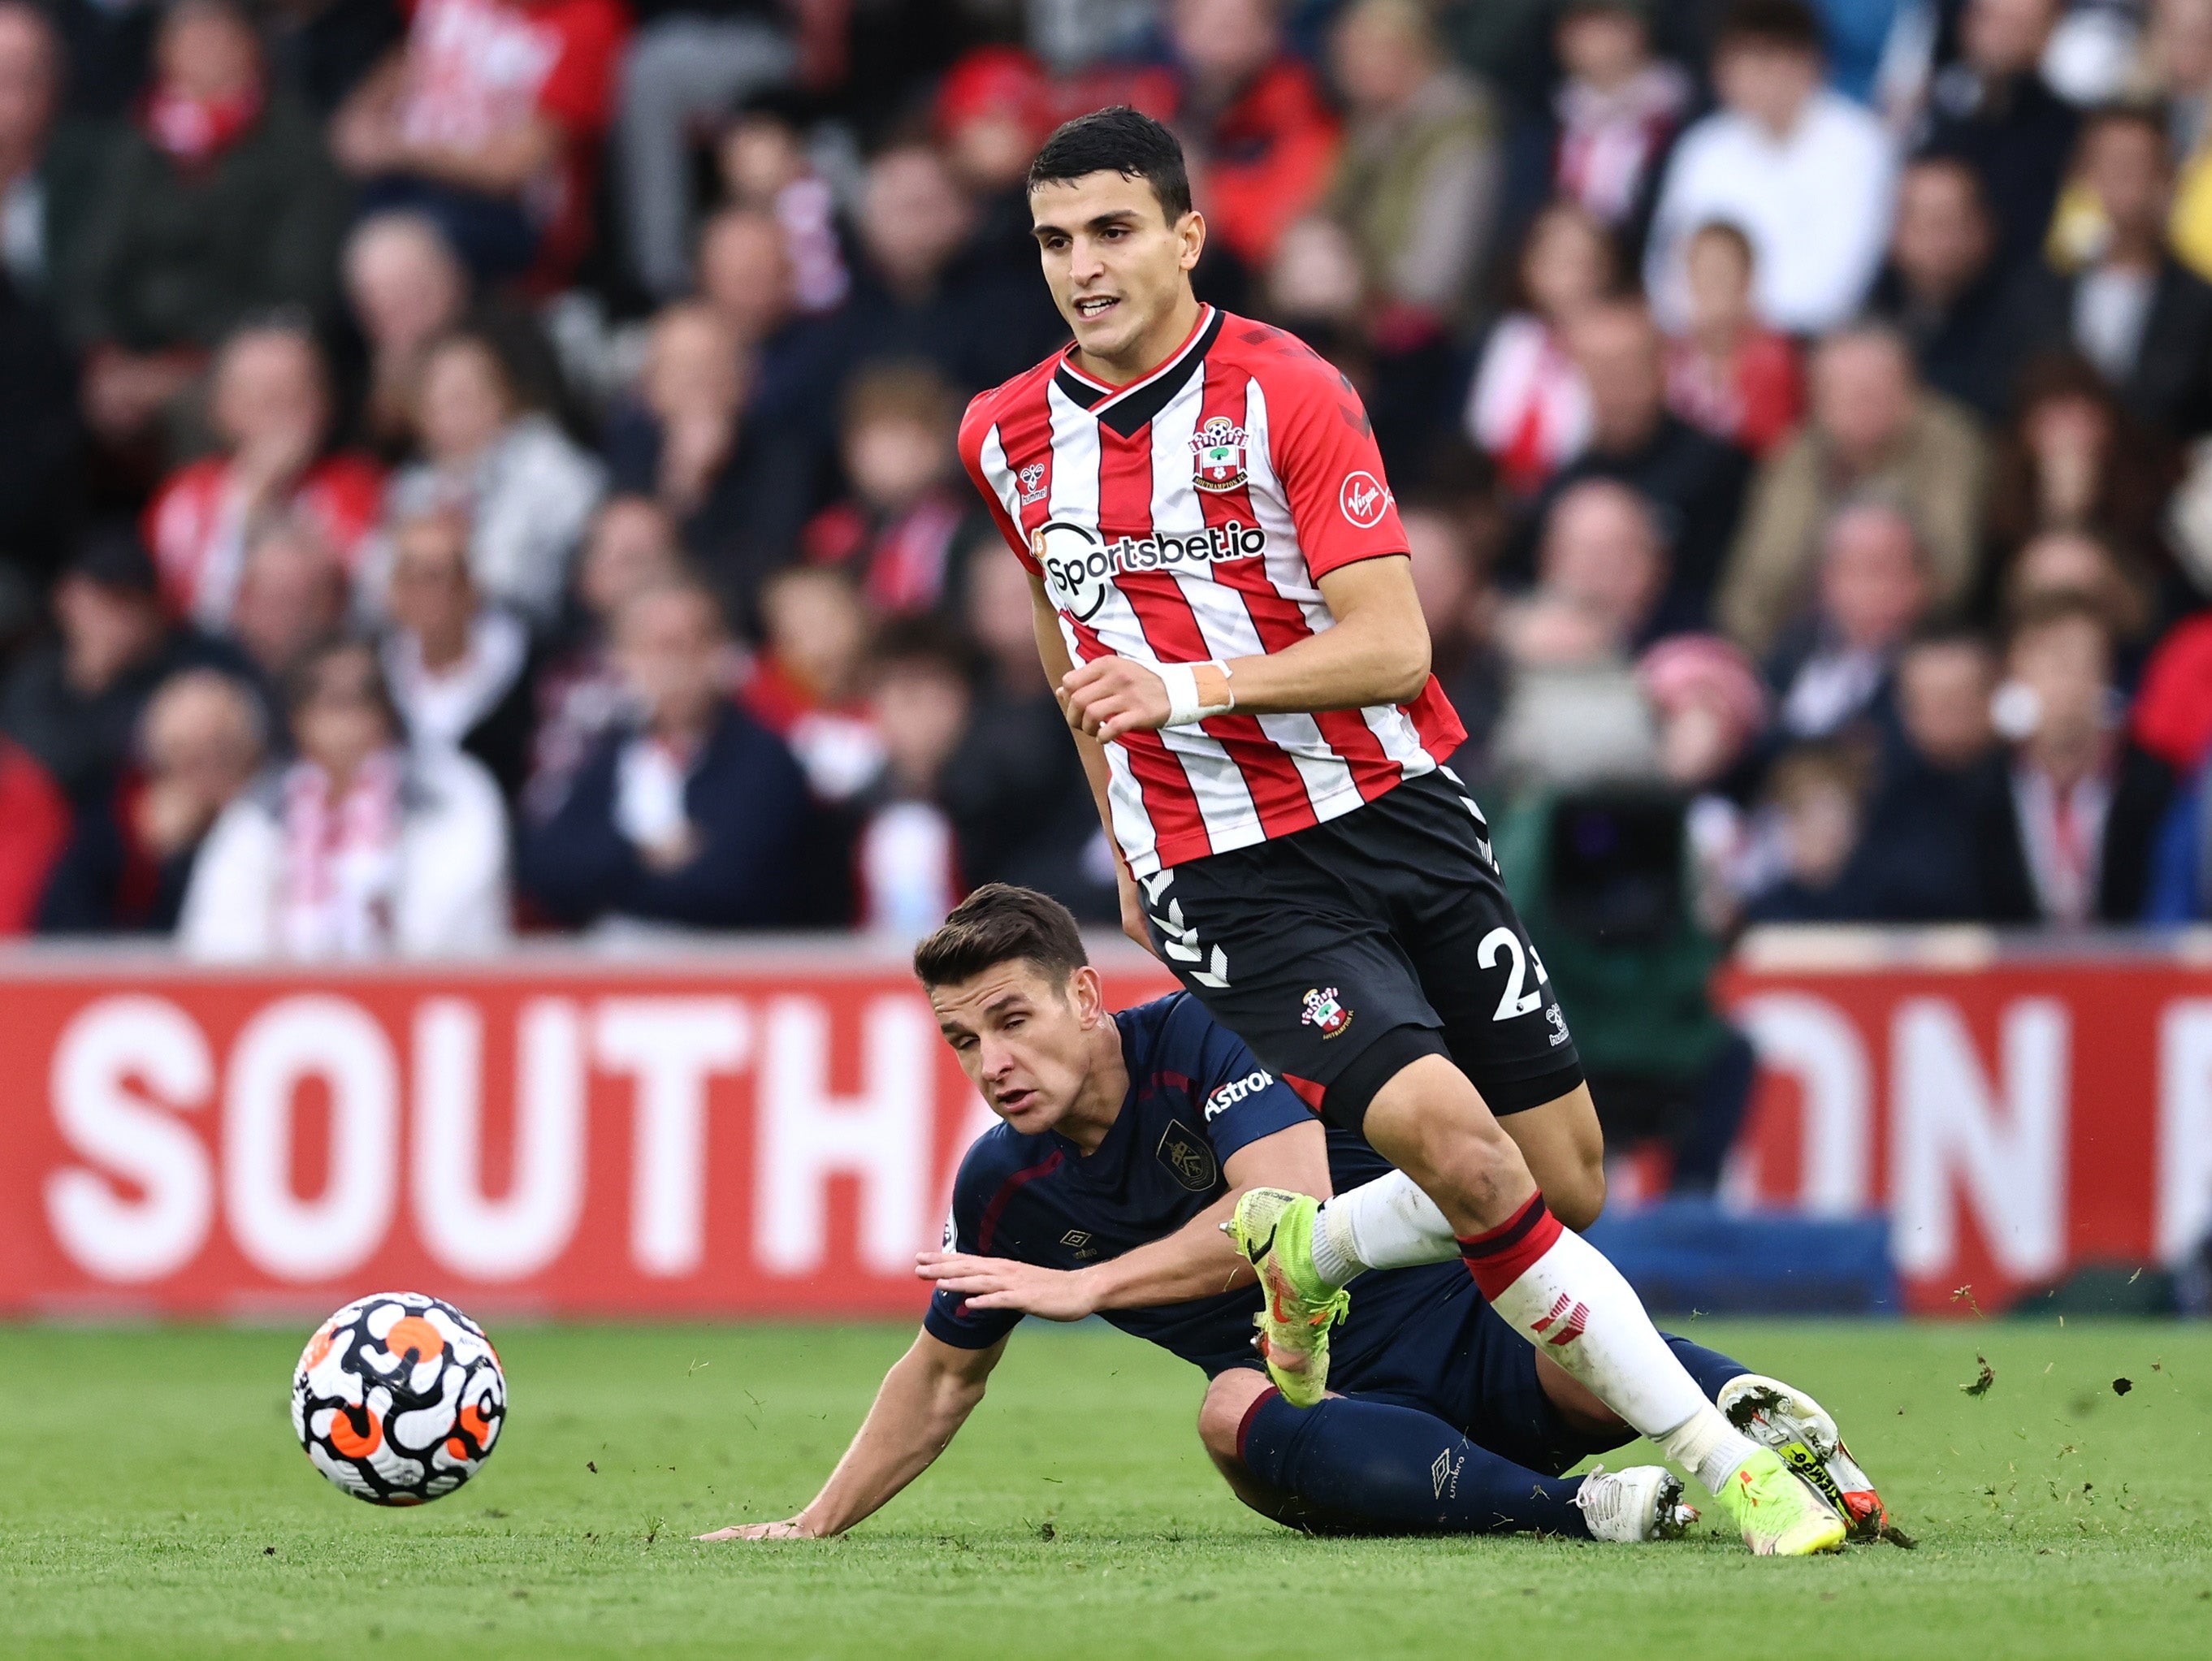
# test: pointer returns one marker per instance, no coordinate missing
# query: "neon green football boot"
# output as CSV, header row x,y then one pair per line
x,y
1274,1228
1787,1420
1780,1515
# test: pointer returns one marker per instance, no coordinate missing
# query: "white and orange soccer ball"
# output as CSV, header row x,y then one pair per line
x,y
398,1398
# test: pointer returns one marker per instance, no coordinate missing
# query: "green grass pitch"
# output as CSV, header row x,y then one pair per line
x,y
153,1502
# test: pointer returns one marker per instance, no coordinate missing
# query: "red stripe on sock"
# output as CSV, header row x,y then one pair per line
x,y
1503,1255
1244,1424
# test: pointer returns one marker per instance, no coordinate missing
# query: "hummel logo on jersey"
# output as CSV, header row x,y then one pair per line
x,y
1323,1010
1078,566
1363,498
1558,1017
1033,484
1444,1473
1216,452
1235,1090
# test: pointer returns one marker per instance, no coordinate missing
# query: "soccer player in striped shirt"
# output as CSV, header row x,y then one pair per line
x,y
1225,604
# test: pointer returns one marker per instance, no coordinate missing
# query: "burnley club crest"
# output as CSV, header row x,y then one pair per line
x,y
1217,456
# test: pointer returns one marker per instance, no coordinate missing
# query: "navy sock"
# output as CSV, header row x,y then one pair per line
x,y
1370,1466
1708,1367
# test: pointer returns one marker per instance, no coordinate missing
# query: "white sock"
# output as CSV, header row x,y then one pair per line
x,y
1558,1292
1387,1223
1707,1444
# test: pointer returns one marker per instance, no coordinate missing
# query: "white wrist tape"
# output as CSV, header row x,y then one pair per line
x,y
1181,682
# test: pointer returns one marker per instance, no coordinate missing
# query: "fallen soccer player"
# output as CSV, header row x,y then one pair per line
x,y
1127,1142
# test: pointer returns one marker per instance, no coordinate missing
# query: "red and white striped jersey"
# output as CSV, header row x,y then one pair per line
x,y
1189,516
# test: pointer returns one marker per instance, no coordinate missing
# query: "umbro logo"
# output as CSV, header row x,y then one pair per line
x,y
1078,1241
1444,1474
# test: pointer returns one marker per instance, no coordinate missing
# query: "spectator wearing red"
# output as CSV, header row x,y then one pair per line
x,y
270,409
993,108
35,826
1530,407
804,684
1261,137
896,531
489,119
217,206
1727,372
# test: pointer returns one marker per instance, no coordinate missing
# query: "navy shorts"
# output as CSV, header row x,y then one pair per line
x,y
1343,952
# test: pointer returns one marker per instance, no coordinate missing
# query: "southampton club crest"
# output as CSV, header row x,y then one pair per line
x,y
1217,456
1323,1010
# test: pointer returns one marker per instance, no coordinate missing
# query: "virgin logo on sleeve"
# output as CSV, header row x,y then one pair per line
x,y
1364,499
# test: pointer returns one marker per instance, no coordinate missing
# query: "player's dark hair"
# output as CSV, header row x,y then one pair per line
x,y
1789,24
1001,923
1119,140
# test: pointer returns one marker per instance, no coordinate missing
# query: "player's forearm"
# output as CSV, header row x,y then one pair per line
x,y
1196,1261
1367,659
917,1412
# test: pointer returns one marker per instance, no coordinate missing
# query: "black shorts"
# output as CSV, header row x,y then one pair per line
x,y
1344,951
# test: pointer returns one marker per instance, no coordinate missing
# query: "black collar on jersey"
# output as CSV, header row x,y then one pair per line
x,y
1126,410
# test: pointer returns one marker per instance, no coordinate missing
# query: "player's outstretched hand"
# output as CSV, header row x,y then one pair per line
x,y
1109,696
789,1529
1054,1294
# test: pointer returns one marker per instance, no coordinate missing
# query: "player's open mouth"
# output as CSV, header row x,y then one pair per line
x,y
1096,306
1013,1101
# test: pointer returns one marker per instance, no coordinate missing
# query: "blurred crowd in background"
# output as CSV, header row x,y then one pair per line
x,y
478,467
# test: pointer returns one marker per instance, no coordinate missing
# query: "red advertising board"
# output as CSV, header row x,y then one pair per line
x,y
772,1131
2016,1112
751,1133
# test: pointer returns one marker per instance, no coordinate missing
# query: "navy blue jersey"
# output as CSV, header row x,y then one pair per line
x,y
1196,1097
